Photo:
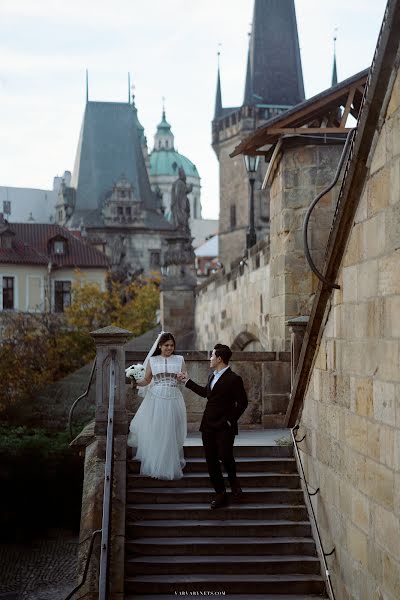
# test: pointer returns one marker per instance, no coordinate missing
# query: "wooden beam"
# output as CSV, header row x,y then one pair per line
x,y
349,102
307,130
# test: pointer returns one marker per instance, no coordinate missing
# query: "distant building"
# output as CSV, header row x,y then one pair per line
x,y
110,197
207,257
164,163
23,205
40,262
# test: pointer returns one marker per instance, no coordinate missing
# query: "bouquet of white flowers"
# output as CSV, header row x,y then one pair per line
x,y
135,372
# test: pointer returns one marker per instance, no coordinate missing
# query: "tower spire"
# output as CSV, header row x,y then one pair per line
x,y
218,95
273,50
87,86
334,69
129,88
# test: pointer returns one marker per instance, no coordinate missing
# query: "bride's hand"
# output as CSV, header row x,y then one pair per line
x,y
182,376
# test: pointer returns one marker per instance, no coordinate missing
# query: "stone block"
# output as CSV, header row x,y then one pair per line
x,y
367,280
392,227
394,103
386,529
387,359
391,575
354,250
373,241
389,274
357,544
360,510
361,396
379,483
394,181
350,284
384,402
374,440
379,154
378,191
356,432
387,447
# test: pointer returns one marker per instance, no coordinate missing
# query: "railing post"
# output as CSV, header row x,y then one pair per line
x,y
109,341
297,328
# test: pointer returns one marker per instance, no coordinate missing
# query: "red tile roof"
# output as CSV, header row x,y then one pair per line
x,y
32,245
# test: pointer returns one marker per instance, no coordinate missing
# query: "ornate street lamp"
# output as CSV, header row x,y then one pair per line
x,y
251,163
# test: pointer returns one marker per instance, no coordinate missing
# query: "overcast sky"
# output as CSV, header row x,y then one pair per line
x,y
170,48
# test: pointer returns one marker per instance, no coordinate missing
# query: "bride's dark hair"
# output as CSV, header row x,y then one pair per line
x,y
163,339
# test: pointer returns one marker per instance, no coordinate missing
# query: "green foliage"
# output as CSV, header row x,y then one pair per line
x,y
19,440
37,349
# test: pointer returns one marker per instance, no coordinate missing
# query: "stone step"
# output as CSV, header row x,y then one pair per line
x,y
245,451
227,546
222,565
236,584
185,495
194,480
196,511
262,464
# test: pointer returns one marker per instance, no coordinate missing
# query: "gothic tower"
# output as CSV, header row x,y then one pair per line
x,y
274,83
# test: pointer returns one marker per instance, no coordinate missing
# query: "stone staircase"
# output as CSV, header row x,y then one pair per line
x,y
258,548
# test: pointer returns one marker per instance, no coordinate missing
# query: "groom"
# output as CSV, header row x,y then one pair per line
x,y
226,401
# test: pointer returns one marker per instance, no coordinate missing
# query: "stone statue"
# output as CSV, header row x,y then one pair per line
x,y
180,207
117,251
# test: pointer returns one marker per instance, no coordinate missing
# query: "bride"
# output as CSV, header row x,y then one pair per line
x,y
158,430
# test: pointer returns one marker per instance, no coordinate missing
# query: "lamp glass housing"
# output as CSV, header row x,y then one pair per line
x,y
251,163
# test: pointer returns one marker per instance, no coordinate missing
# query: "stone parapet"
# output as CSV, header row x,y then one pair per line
x,y
266,377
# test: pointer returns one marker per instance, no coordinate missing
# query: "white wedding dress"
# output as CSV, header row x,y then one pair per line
x,y
158,430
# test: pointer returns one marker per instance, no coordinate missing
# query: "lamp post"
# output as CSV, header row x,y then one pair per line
x,y
251,163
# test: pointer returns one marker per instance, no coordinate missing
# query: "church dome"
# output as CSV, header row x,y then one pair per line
x,y
164,159
167,162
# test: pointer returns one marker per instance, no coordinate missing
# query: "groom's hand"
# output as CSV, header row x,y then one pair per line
x,y
182,377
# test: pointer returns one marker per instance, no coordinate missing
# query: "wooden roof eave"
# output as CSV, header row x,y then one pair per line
x,y
307,111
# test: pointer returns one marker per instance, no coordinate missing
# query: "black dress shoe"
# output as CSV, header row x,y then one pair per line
x,y
220,500
237,491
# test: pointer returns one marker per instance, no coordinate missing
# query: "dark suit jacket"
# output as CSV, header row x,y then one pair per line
x,y
225,402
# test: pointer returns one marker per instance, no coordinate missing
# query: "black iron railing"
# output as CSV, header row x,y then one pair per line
x,y
108,471
322,554
107,494
310,261
85,393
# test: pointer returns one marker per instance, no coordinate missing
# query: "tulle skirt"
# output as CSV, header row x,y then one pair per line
x,y
158,431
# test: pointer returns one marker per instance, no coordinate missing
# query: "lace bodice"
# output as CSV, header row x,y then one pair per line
x,y
165,370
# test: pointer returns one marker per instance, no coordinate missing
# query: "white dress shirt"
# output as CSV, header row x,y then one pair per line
x,y
216,376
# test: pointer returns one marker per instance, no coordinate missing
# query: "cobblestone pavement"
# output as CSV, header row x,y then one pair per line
x,y
41,569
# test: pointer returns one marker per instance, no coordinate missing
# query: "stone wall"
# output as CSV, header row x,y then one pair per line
x,y
351,411
233,308
266,378
300,175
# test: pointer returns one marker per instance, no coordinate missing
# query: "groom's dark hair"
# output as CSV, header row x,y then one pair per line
x,y
224,352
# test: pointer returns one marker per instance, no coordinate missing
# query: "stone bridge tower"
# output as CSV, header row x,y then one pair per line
x,y
274,83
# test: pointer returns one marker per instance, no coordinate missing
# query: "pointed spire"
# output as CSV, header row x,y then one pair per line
x,y
87,86
248,93
274,50
218,95
129,88
334,70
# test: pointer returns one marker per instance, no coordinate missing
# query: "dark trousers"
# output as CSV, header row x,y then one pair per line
x,y
218,446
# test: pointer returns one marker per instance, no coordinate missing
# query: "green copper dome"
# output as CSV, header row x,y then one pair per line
x,y
167,162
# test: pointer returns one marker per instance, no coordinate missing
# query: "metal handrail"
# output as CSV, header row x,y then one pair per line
x,y
86,570
322,553
310,261
79,399
108,470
